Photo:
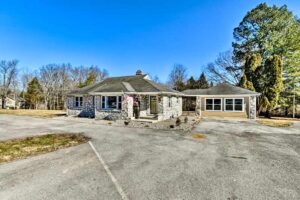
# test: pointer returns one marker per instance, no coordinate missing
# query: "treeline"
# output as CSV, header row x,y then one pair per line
x,y
46,88
178,79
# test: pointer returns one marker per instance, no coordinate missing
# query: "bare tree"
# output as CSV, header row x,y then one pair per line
x,y
224,69
8,72
177,77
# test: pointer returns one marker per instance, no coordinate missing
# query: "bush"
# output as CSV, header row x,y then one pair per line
x,y
178,122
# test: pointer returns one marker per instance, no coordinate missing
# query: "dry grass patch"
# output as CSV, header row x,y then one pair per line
x,y
34,113
275,123
198,136
21,148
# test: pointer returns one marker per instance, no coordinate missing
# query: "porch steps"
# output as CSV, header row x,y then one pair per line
x,y
150,118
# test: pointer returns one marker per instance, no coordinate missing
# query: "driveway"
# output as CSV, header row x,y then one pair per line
x,y
237,160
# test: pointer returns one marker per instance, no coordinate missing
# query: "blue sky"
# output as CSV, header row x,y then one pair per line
x,y
122,36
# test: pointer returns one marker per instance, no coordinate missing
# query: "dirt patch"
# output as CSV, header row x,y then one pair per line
x,y
198,136
24,147
275,123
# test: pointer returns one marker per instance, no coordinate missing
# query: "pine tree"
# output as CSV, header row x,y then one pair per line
x,y
211,84
191,83
33,95
202,82
91,79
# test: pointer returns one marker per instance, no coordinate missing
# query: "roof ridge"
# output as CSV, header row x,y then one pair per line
x,y
127,76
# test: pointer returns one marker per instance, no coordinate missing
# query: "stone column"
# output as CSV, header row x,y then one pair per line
x,y
160,108
198,105
252,107
127,106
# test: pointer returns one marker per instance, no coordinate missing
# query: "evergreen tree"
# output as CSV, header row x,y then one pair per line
x,y
252,78
202,82
211,84
34,93
274,86
91,79
191,83
267,31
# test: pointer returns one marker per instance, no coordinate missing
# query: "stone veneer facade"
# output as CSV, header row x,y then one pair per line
x,y
86,110
252,107
92,107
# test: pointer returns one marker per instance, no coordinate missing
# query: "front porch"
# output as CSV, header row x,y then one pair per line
x,y
157,107
142,107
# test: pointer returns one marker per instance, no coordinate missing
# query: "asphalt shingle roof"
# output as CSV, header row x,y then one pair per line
x,y
221,89
137,83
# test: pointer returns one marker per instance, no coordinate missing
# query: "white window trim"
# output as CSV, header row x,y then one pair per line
x,y
79,106
106,103
213,104
233,104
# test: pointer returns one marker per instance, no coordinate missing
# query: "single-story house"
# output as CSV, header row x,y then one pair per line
x,y
116,98
12,102
222,100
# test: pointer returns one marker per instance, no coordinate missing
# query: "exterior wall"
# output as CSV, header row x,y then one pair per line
x,y
223,113
124,113
175,110
92,107
9,103
87,109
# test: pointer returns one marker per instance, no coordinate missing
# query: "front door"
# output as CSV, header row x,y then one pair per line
x,y
153,105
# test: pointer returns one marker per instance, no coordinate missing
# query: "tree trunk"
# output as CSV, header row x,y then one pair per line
x,y
3,102
268,113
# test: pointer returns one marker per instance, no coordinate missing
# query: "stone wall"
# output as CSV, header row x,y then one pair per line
x,y
124,113
87,109
172,111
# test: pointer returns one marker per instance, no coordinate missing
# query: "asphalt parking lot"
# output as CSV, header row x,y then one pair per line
x,y
236,160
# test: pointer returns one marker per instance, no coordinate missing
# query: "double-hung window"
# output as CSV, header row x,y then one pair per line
x,y
213,104
111,102
78,101
234,104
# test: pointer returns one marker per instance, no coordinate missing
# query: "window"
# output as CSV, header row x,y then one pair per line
x,y
111,102
78,101
229,104
234,104
213,104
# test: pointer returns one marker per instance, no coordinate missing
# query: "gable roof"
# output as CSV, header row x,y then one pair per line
x,y
221,89
127,84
